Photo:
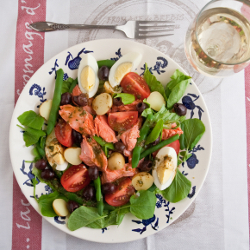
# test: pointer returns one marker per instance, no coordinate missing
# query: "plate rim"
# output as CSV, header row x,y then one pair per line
x,y
85,44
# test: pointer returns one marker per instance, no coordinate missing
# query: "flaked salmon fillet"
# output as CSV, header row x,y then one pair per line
x,y
92,154
112,175
78,118
103,130
166,133
129,137
128,107
89,109
76,91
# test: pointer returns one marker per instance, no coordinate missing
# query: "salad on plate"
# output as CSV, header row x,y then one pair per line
x,y
109,141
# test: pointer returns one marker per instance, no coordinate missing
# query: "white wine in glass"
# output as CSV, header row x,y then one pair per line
x,y
218,41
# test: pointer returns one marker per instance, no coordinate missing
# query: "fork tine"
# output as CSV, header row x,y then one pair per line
x,y
158,26
148,36
154,27
153,22
153,31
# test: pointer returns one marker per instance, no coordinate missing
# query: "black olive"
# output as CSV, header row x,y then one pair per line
x,y
88,193
117,101
72,205
108,188
119,147
141,106
180,109
65,98
93,173
47,174
145,166
41,164
103,73
81,100
77,137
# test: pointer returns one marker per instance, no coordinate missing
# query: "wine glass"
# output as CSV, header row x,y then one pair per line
x,y
218,41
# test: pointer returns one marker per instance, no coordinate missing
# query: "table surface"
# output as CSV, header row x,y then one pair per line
x,y
218,218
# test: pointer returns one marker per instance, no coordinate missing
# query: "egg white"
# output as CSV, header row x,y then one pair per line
x,y
88,60
160,156
131,57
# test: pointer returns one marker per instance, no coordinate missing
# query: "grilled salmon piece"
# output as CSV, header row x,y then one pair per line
x,y
103,129
166,133
92,154
89,109
128,107
79,119
129,137
112,175
76,91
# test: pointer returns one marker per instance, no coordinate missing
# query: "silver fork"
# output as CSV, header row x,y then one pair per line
x,y
132,29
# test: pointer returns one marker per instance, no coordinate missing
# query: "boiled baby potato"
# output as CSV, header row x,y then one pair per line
x,y
108,89
72,154
142,181
102,103
156,100
45,108
60,207
116,161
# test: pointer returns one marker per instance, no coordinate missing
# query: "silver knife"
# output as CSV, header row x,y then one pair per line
x,y
48,26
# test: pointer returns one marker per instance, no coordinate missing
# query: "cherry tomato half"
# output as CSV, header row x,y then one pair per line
x,y
75,178
63,133
133,83
122,121
175,145
123,191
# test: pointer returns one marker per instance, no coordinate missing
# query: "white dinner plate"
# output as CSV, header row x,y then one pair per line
x,y
41,86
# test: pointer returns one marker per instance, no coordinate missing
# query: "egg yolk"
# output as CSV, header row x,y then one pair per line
x,y
122,70
87,78
165,169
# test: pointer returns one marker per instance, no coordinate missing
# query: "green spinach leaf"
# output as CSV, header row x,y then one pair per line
x,y
155,133
177,92
143,207
126,98
31,119
31,135
193,129
177,77
153,83
179,188
86,217
176,87
116,216
45,203
68,85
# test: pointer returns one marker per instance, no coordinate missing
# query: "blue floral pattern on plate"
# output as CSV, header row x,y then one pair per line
x,y
73,62
37,90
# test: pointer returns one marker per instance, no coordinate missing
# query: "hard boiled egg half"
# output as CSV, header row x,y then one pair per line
x,y
87,75
124,65
54,152
165,167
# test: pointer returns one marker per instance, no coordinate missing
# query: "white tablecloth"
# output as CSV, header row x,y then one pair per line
x,y
218,218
